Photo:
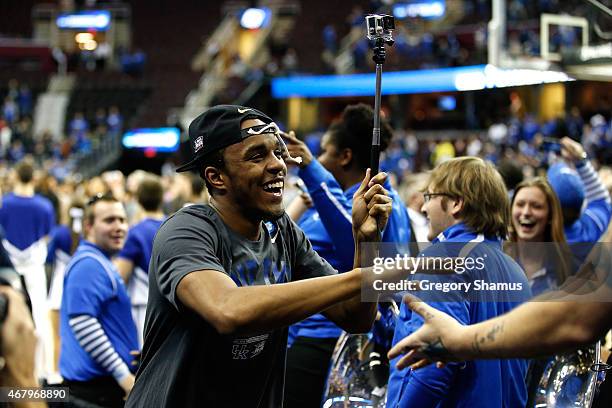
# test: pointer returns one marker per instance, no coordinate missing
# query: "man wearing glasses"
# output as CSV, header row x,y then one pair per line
x,y
226,279
97,331
467,206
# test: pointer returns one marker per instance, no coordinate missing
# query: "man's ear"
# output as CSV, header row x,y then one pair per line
x,y
456,206
214,177
346,157
86,227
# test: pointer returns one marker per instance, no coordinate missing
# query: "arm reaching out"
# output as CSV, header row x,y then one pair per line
x,y
560,326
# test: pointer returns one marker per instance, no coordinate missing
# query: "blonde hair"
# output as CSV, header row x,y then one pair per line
x,y
486,208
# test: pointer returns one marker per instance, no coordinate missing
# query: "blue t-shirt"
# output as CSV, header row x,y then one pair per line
x,y
328,226
139,243
92,286
60,242
480,383
26,220
138,247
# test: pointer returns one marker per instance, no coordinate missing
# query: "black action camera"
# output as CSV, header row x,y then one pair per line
x,y
380,26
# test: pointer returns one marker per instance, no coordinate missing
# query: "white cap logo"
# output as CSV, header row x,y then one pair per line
x,y
198,144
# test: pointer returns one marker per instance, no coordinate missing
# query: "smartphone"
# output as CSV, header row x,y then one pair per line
x,y
550,144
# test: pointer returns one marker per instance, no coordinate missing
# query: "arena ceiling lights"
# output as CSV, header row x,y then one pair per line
x,y
470,78
427,9
255,18
164,139
85,20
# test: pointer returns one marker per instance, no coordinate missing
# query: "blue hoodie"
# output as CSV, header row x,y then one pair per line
x,y
481,383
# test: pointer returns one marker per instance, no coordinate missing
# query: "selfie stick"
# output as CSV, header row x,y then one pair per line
x,y
380,29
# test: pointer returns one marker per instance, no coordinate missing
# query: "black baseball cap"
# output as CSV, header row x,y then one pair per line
x,y
217,128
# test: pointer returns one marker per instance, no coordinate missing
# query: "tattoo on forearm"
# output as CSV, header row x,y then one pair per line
x,y
436,350
488,338
476,345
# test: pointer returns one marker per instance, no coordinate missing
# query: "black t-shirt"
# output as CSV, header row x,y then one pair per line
x,y
185,361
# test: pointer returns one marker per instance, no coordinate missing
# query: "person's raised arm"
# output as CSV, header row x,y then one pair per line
x,y
327,197
598,211
560,326
371,211
251,309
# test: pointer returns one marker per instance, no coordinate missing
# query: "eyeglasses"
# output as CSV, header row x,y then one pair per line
x,y
429,196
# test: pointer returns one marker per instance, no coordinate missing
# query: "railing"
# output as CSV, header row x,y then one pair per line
x,y
102,156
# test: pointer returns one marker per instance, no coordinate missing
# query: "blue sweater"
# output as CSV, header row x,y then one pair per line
x,y
481,383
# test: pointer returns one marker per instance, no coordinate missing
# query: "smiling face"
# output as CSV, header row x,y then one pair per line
x,y
530,214
108,226
439,212
255,174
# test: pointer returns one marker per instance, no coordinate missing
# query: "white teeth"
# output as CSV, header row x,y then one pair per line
x,y
278,184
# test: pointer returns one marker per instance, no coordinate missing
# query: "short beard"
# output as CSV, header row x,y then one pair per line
x,y
257,214
274,216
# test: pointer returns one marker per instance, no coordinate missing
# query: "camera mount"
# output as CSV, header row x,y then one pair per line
x,y
380,33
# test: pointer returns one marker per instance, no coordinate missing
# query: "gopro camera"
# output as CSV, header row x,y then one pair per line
x,y
380,26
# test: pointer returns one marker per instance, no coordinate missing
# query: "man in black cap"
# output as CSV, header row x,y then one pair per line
x,y
226,279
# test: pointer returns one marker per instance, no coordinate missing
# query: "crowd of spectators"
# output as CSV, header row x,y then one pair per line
x,y
16,121
422,43
56,154
419,43
525,141
516,147
85,134
102,58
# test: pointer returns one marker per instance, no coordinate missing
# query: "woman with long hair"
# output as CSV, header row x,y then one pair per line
x,y
537,240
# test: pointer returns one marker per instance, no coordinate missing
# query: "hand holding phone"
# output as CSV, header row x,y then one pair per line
x,y
550,144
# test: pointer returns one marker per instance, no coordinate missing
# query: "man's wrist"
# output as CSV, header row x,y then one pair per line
x,y
361,238
363,278
462,343
582,161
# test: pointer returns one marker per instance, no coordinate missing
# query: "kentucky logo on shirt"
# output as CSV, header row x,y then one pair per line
x,y
268,272
246,348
